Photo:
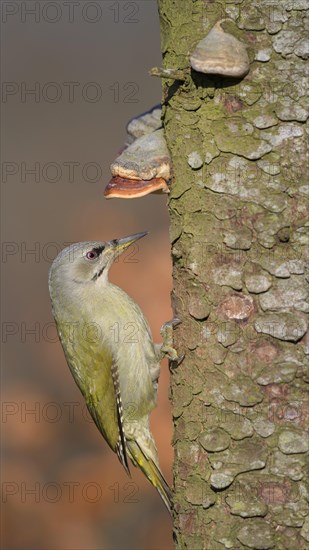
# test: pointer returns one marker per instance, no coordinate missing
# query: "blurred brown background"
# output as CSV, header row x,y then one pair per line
x,y
87,62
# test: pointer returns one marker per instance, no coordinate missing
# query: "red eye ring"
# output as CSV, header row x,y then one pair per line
x,y
91,255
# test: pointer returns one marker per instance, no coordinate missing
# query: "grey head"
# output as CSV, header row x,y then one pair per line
x,y
87,262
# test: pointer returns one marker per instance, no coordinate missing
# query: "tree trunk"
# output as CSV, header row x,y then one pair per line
x,y
237,210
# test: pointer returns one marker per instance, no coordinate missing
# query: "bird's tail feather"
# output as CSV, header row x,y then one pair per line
x,y
151,471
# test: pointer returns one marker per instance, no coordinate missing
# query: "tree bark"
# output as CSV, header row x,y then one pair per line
x,y
238,209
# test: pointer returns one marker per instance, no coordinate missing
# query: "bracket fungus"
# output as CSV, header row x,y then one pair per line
x,y
220,53
144,124
144,166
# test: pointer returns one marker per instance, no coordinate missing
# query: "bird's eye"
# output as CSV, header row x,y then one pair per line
x,y
91,255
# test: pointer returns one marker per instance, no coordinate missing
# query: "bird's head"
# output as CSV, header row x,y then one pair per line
x,y
88,262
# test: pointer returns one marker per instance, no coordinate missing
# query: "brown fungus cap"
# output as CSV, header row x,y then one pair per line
x,y
143,167
220,53
146,158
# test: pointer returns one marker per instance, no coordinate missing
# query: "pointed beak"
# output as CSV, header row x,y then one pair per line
x,y
120,245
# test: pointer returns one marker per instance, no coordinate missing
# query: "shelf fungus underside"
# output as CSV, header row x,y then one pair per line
x,y
143,167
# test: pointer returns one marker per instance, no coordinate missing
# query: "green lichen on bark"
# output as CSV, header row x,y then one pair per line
x,y
238,233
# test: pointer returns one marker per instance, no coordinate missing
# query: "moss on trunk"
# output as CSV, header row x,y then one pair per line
x,y
238,211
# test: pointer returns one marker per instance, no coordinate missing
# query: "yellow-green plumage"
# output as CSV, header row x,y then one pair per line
x,y
110,352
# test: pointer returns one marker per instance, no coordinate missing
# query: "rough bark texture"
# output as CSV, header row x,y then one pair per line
x,y
238,211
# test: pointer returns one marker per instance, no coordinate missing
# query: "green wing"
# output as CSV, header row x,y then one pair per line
x,y
97,377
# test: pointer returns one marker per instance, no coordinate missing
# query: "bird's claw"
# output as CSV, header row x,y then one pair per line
x,y
167,346
169,325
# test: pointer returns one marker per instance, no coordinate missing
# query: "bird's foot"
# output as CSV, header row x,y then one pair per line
x,y
167,349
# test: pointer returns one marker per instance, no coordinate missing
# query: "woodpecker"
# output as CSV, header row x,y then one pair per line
x,y
110,351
